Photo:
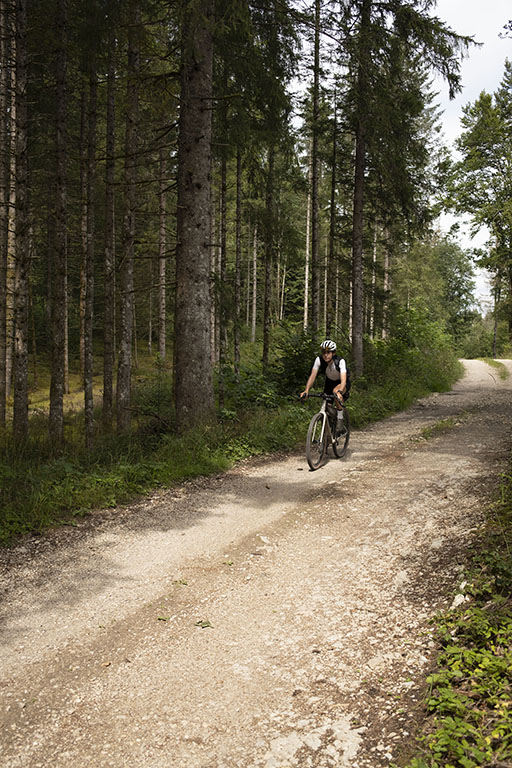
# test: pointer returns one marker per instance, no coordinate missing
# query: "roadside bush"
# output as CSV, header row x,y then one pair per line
x,y
479,341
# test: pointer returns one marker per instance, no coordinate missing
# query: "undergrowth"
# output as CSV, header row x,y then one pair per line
x,y
470,693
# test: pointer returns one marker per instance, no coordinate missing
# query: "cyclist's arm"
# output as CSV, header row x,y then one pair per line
x,y
310,382
340,388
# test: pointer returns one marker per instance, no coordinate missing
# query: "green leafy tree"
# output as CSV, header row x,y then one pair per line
x,y
482,182
385,35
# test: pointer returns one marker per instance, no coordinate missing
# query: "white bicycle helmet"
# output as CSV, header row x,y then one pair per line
x,y
328,345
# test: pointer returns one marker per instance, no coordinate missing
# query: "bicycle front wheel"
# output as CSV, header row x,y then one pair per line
x,y
340,445
315,442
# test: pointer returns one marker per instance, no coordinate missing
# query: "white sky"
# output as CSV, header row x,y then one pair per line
x,y
481,71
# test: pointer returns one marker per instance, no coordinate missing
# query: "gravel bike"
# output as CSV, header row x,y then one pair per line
x,y
325,429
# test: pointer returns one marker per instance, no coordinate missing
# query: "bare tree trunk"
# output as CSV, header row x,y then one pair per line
x,y
325,270
130,181
277,289
238,264
83,222
254,284
387,285
332,270
150,306
162,260
308,239
109,250
213,283
58,302
315,216
358,210
248,278
194,384
269,256
135,352
222,286
371,324
281,304
337,308
89,267
4,201
11,236
497,296
32,326
20,421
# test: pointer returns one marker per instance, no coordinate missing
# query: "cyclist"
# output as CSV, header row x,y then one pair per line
x,y
335,370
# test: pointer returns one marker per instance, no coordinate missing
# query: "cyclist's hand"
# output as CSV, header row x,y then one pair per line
x,y
303,395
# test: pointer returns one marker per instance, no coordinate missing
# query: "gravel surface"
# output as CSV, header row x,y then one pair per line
x,y
270,617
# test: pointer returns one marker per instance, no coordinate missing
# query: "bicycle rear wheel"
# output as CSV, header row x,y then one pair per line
x,y
340,445
315,442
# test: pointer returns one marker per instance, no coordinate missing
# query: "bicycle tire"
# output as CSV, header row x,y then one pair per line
x,y
340,445
315,450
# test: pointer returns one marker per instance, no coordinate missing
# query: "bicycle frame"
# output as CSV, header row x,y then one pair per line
x,y
323,411
322,432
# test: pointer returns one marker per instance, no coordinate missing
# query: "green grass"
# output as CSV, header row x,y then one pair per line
x,y
499,366
470,693
440,427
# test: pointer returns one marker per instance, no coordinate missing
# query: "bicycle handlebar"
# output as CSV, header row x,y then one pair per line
x,y
329,398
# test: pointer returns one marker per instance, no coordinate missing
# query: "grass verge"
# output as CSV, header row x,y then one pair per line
x,y
500,367
470,693
440,427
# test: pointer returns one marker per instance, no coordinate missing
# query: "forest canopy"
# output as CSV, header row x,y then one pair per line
x,y
189,180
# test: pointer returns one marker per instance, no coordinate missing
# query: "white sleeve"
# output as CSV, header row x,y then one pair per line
x,y
316,364
343,366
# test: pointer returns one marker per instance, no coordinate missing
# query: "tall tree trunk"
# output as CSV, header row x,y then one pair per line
x,y
130,181
386,290
359,177
497,296
281,303
248,278
254,284
162,260
222,288
331,257
315,213
213,281
308,239
83,223
89,268
325,270
238,264
20,421
4,201
11,234
58,267
150,305
269,255
194,383
109,251
373,296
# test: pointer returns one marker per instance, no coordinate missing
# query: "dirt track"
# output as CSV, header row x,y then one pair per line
x,y
270,617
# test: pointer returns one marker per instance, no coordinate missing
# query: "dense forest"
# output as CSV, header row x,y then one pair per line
x,y
185,179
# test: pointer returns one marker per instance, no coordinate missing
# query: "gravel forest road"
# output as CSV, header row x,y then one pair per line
x,y
270,617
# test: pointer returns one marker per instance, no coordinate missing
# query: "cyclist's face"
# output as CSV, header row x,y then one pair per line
x,y
327,353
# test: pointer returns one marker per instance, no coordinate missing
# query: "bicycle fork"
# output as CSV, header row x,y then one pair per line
x,y
323,411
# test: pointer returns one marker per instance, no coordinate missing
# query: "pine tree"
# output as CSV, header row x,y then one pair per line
x,y
194,383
